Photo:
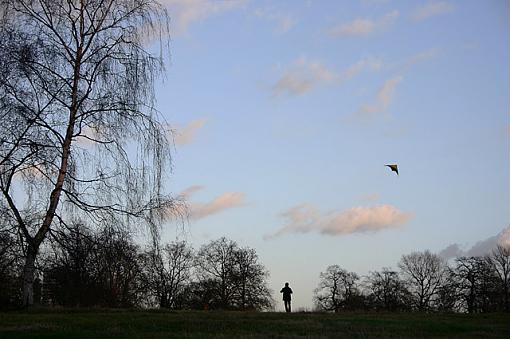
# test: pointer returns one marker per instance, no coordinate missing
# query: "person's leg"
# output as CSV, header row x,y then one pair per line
x,y
289,306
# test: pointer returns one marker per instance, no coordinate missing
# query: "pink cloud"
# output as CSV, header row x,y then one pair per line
x,y
304,75
432,9
224,201
364,26
383,99
307,218
186,135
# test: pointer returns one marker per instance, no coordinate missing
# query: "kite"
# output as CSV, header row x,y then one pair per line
x,y
393,167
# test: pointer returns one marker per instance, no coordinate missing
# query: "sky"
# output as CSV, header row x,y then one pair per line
x,y
285,113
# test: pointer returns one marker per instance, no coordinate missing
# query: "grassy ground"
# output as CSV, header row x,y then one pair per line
x,y
194,324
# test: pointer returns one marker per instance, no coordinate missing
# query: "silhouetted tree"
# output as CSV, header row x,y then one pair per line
x,y
231,277
424,274
501,260
10,264
215,263
250,279
447,294
386,291
118,268
477,284
76,102
166,272
91,268
337,289
70,272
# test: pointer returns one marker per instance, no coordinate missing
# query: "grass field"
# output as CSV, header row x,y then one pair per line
x,y
212,324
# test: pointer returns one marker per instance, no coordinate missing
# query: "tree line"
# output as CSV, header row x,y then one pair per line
x,y
425,282
106,268
90,267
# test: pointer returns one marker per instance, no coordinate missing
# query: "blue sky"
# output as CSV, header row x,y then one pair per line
x,y
285,113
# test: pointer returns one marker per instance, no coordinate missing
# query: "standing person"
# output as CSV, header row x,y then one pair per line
x,y
287,291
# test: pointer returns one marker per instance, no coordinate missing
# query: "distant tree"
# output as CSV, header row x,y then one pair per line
x,y
79,132
477,284
87,267
230,277
215,263
386,291
250,279
500,258
337,289
447,294
118,268
166,272
424,274
69,272
10,264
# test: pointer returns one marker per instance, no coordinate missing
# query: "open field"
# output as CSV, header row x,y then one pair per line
x,y
196,324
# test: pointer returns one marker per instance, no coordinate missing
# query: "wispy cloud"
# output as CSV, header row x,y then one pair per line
x,y
506,130
304,75
224,201
431,9
364,26
420,57
183,13
307,218
480,248
504,238
186,135
284,22
383,99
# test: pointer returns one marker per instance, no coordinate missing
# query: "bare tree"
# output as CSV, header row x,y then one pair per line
x,y
250,278
166,272
501,260
386,291
80,133
231,277
424,273
215,263
336,288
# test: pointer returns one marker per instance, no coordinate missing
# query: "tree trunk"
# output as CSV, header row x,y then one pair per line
x,y
28,276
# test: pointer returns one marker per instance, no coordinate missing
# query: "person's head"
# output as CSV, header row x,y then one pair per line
x,y
286,284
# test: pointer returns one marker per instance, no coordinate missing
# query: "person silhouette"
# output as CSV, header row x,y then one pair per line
x,y
287,291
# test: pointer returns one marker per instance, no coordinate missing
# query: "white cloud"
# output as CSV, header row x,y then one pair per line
x,y
283,22
480,248
420,57
199,210
186,135
304,75
183,13
432,9
364,26
504,238
307,218
383,99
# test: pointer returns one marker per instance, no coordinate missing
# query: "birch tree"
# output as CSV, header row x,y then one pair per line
x,y
79,130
